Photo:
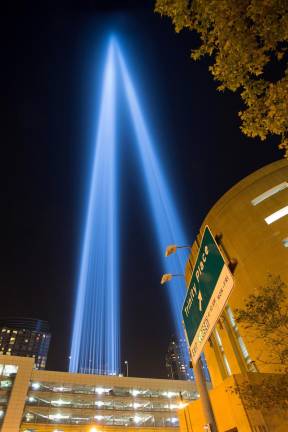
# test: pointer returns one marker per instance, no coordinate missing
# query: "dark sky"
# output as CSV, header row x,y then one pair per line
x,y
51,62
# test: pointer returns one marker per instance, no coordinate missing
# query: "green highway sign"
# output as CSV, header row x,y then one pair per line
x,y
208,291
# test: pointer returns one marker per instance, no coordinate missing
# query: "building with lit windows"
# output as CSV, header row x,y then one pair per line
x,y
45,401
176,366
25,337
250,224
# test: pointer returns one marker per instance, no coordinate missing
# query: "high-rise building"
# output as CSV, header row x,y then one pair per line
x,y
176,364
177,367
25,337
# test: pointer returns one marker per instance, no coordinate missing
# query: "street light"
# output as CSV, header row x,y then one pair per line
x,y
168,276
173,248
126,363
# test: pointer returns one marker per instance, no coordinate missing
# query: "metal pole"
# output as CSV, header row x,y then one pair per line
x,y
204,396
126,362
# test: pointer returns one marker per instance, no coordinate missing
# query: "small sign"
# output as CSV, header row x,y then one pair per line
x,y
208,291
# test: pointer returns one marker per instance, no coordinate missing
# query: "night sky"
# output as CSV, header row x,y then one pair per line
x,y
51,77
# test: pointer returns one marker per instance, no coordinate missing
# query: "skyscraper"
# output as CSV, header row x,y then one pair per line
x,y
177,367
25,337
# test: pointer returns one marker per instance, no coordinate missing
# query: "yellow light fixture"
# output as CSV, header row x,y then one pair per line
x,y
170,250
166,278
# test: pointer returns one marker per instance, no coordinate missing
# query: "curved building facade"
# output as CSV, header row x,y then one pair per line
x,y
250,224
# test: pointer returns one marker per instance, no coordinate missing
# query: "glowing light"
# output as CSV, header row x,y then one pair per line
x,y
135,392
170,394
31,399
182,405
167,223
101,390
95,339
174,420
98,417
58,416
1,413
277,215
35,386
137,419
99,403
60,402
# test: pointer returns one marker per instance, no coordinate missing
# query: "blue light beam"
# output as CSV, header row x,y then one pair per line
x,y
167,223
96,337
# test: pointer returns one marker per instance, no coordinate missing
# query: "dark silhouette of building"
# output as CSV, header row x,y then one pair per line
x,y
25,337
177,367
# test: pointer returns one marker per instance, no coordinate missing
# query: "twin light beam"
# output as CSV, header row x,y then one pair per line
x,y
96,332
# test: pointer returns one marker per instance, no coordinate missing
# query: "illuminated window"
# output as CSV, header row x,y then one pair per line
x,y
285,242
269,193
277,215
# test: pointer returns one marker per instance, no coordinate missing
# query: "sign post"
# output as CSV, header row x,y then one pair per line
x,y
208,291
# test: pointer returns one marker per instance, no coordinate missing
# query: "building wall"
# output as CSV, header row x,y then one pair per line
x,y
259,250
228,409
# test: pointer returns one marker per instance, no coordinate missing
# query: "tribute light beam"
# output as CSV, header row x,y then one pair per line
x,y
95,340
167,223
95,343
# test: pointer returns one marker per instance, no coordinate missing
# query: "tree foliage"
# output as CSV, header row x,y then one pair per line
x,y
265,315
244,37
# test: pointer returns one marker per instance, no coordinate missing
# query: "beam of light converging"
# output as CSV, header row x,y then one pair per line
x,y
96,332
95,340
169,229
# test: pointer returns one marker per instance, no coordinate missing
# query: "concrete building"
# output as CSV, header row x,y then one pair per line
x,y
45,401
250,222
25,337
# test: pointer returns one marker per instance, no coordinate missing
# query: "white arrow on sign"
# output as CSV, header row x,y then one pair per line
x,y
200,301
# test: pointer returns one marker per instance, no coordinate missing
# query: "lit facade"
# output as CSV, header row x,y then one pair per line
x,y
176,365
250,222
25,337
38,401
